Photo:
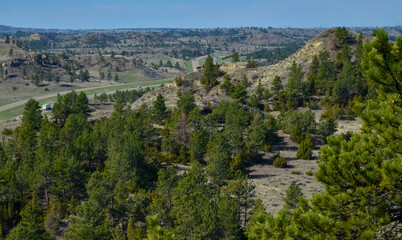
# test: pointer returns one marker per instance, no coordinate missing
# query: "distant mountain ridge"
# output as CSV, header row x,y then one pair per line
x,y
10,29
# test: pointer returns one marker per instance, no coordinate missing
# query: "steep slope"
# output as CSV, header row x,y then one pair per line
x,y
191,83
27,74
326,41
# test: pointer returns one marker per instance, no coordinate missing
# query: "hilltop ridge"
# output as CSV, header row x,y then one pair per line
x,y
324,41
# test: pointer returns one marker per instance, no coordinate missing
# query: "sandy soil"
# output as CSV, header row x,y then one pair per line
x,y
271,182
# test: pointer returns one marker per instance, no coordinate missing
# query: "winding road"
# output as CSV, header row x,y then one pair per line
x,y
22,102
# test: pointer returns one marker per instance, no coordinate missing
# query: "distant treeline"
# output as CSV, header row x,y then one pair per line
x,y
277,54
125,96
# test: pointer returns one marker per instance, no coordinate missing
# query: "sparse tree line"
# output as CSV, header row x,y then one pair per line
x,y
125,96
114,178
168,64
272,56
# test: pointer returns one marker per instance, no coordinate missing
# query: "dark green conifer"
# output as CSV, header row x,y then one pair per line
x,y
31,224
305,149
159,108
297,134
292,196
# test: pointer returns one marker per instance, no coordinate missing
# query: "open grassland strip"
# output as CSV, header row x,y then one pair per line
x,y
11,113
123,87
9,101
129,76
189,66
201,61
18,110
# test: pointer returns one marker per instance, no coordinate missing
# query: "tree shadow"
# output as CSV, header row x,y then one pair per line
x,y
259,176
286,148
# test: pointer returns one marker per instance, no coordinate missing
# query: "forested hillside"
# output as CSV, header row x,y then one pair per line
x,y
118,177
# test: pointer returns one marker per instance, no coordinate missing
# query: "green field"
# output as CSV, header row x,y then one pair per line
x,y
16,111
130,76
201,61
189,66
219,61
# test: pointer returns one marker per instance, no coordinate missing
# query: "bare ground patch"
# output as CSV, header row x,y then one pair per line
x,y
271,182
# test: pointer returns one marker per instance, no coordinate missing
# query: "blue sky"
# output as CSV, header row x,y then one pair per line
x,y
106,14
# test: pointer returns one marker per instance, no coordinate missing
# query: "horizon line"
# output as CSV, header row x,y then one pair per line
x,y
187,28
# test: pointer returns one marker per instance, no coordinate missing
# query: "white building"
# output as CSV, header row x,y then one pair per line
x,y
46,106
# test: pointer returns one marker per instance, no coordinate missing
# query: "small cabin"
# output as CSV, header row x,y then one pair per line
x,y
46,106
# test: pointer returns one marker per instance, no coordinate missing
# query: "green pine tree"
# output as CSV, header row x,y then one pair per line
x,y
276,85
156,232
198,145
89,223
260,89
32,115
218,167
254,102
305,149
237,164
162,201
186,103
135,233
326,127
295,78
257,137
297,134
235,57
211,72
258,210
193,211
31,224
82,104
118,234
292,196
159,108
